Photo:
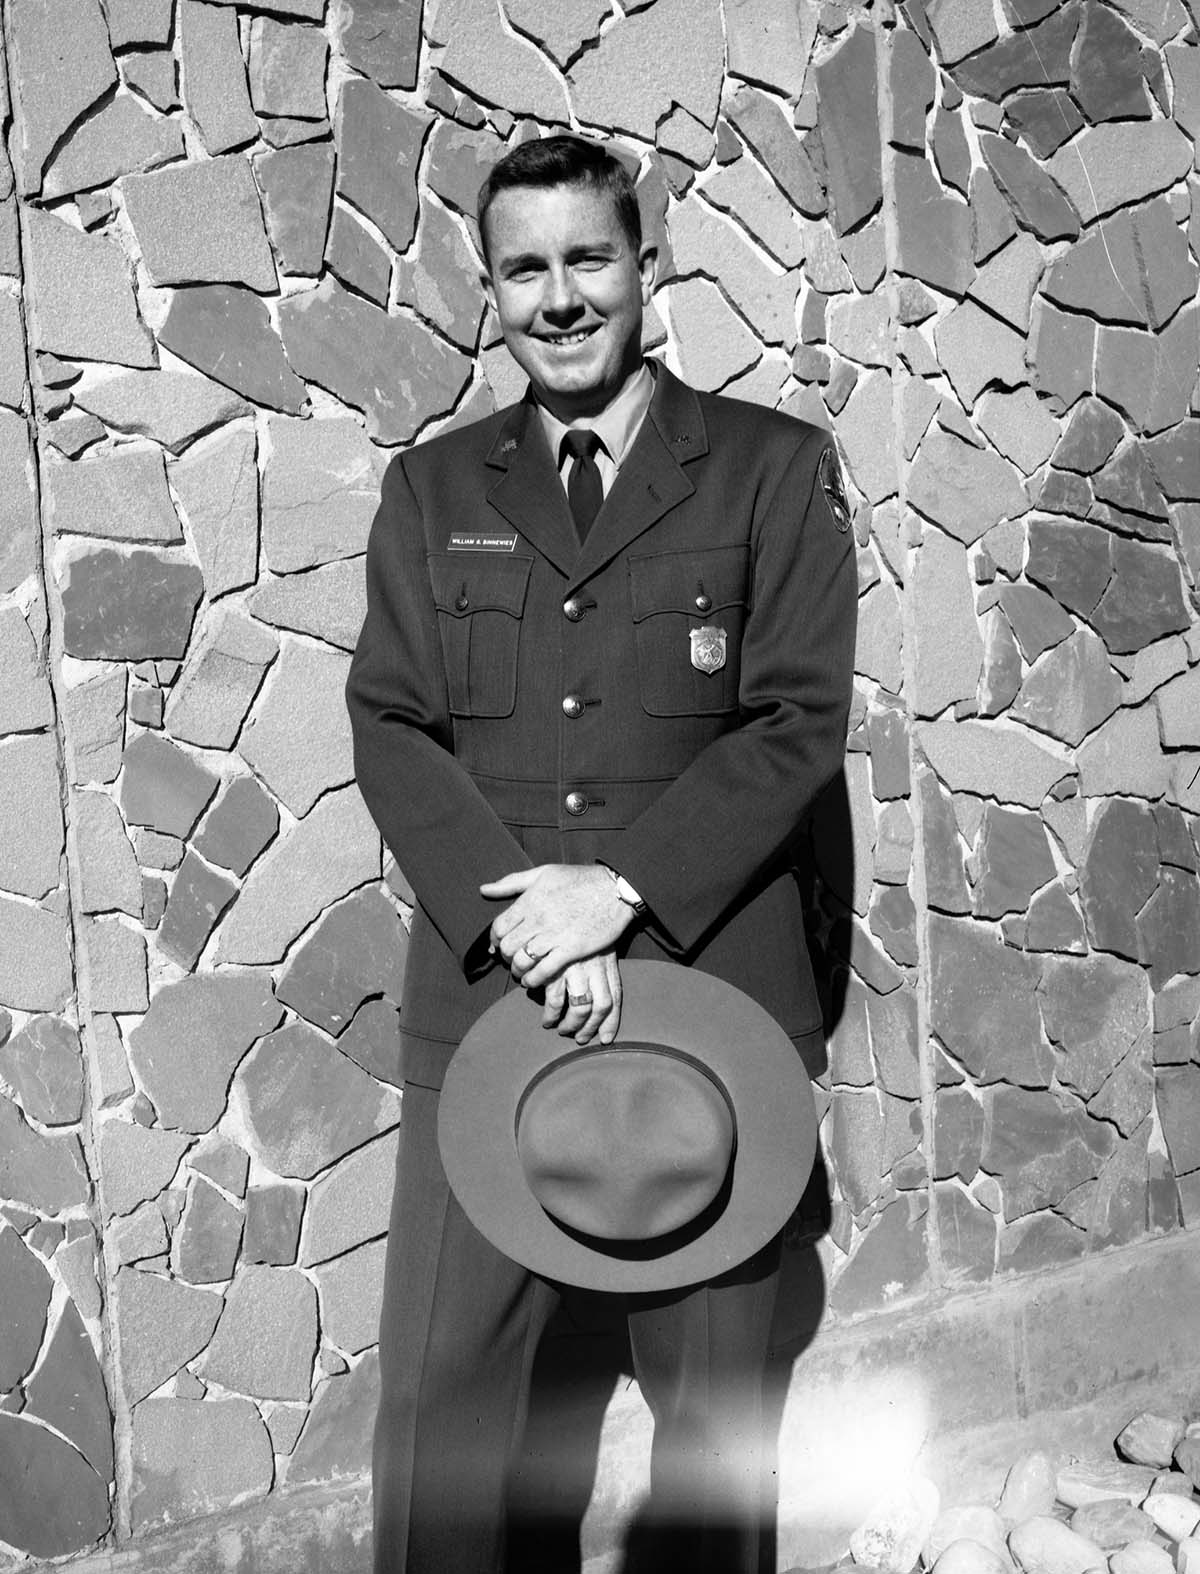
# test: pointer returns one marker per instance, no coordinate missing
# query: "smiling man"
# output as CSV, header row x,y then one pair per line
x,y
604,673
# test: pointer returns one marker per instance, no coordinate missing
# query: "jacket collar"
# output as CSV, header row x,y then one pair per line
x,y
652,480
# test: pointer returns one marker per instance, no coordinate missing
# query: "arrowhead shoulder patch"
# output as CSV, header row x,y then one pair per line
x,y
829,473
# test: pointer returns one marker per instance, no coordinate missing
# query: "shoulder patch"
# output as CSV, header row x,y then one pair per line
x,y
829,473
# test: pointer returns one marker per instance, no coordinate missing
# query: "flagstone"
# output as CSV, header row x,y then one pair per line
x,y
1061,352
961,488
351,1290
163,786
991,760
241,824
712,342
934,229
61,65
356,257
66,1509
1041,1146
913,82
223,672
1019,425
68,1391
120,495
1144,599
1071,560
81,296
1032,57
1054,923
1115,165
1150,376
297,186
1094,1010
214,77
1013,861
358,949
770,41
671,53
846,88
1169,926
218,487
768,131
31,823
393,369
1006,282
320,492
381,39
207,1237
227,332
306,1105
337,1440
982,1004
298,740
199,895
201,222
1125,756
754,201
1133,268
1092,432
119,139
1071,690
172,407
444,285
1037,200
164,1323
1045,116
152,73
288,62
1107,74
27,1291
457,162
192,1458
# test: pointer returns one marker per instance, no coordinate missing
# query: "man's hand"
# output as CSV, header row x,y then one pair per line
x,y
562,913
585,1003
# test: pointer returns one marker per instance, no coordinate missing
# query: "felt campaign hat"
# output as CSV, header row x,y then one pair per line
x,y
658,1161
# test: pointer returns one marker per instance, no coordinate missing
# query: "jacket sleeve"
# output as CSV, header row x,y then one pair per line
x,y
728,817
431,815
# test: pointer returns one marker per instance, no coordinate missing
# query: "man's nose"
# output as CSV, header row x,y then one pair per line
x,y
562,298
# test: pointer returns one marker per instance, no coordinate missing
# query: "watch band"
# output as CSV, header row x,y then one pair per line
x,y
625,891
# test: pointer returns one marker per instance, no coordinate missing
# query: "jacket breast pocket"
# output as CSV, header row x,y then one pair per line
x,y
480,602
689,612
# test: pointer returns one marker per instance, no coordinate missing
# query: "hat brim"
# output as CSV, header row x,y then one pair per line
x,y
665,1004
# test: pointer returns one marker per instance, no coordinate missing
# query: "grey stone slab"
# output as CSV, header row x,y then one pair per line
x,y
224,1162
1150,376
351,1290
357,950
31,823
337,1440
201,223
1144,600
220,678
372,1041
913,86
562,27
288,62
135,1163
934,229
68,1391
199,895
458,161
282,132
227,332
771,42
320,492
765,298
208,1236
1006,282
65,1507
163,787
328,602
82,302
134,606
963,489
667,54
119,139
393,369
191,1040
1124,757
18,522
1046,117
73,432
1169,926
356,257
164,1324
991,761
109,875
949,650
379,145
174,408
1108,79
755,202
61,64
982,1004
272,1230
46,1173
1029,57
1041,1145
152,73
298,740
120,496
266,1338
307,1105
13,383
1037,199
43,1066
116,964
715,344
139,22
94,713
218,488
381,39
35,957
770,133
27,1291
1115,165
214,77
480,54
196,1457
297,188
304,10
445,289
1071,690
1094,1010
239,827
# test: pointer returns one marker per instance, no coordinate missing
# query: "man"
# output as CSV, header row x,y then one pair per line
x,y
599,685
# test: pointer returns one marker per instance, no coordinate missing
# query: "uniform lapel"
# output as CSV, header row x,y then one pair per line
x,y
528,491
652,479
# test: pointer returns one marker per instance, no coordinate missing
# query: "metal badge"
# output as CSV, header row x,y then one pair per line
x,y
708,648
829,473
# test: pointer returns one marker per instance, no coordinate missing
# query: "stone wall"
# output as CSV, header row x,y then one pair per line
x,y
236,275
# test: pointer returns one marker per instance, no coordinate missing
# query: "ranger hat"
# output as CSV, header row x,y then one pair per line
x,y
658,1161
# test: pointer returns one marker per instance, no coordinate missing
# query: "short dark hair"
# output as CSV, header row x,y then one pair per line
x,y
563,161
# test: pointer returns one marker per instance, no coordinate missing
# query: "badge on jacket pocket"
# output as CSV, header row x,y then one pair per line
x,y
708,648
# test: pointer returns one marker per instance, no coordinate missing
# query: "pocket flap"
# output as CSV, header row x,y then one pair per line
x,y
463,586
695,583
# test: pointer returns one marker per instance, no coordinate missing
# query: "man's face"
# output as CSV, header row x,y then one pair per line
x,y
569,291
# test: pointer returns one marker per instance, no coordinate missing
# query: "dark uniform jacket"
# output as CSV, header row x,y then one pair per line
x,y
519,699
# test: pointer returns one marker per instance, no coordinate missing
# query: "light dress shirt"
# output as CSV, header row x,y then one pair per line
x,y
616,426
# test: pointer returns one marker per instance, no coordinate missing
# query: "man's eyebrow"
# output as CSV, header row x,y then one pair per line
x,y
523,259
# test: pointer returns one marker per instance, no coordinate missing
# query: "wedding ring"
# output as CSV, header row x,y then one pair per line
x,y
579,1000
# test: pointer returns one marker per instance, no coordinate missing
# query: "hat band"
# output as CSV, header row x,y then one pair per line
x,y
658,1245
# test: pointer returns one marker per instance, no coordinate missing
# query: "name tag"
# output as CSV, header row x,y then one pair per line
x,y
481,541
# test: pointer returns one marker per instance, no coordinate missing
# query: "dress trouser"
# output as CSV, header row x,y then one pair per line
x,y
458,1335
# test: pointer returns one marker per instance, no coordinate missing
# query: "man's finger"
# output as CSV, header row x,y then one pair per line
x,y
555,1003
547,967
510,884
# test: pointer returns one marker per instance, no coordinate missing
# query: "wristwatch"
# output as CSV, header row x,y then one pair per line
x,y
625,891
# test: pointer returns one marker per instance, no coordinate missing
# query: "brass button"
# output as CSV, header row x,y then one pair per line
x,y
572,706
703,603
573,609
576,803
462,602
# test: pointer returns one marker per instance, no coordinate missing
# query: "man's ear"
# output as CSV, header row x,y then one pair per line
x,y
647,267
489,289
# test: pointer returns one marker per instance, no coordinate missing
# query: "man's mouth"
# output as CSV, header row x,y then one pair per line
x,y
565,341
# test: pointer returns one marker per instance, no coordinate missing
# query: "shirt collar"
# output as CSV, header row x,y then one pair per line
x,y
617,424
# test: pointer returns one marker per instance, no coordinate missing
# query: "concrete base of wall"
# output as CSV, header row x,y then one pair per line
x,y
954,1388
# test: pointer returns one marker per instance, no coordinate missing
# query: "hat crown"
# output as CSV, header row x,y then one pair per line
x,y
625,1143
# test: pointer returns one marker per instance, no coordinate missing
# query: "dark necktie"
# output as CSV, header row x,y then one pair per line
x,y
585,492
